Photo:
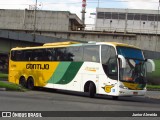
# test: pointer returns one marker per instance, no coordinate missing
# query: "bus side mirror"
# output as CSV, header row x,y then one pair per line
x,y
150,65
123,60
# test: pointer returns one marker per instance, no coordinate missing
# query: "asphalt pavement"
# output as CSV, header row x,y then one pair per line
x,y
153,94
50,100
149,94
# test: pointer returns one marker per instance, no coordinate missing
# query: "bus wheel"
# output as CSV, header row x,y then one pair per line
x,y
22,81
92,90
115,97
30,83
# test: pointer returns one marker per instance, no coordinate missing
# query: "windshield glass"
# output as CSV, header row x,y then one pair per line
x,y
128,52
135,70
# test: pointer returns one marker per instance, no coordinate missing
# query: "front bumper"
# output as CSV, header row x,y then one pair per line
x,y
127,92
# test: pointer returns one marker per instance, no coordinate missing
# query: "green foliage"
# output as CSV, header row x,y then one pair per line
x,y
154,77
2,75
156,73
11,86
153,86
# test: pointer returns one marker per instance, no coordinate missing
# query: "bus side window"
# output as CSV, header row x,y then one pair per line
x,y
91,53
60,54
109,61
13,55
50,54
74,53
105,54
16,55
37,55
27,55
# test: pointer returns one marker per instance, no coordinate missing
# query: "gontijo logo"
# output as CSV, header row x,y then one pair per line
x,y
107,88
37,66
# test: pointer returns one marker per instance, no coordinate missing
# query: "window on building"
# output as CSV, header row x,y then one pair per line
x,y
158,17
114,15
100,15
130,16
122,16
144,17
108,15
151,17
137,16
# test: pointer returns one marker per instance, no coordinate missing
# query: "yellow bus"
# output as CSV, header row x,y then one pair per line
x,y
107,68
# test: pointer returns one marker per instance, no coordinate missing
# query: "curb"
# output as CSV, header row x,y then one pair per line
x,y
2,89
150,89
3,79
153,97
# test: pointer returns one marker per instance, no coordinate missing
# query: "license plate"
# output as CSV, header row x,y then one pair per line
x,y
135,93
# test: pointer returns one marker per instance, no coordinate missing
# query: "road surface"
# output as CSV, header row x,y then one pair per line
x,y
49,100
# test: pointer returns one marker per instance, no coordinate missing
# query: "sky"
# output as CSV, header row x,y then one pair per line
x,y
74,6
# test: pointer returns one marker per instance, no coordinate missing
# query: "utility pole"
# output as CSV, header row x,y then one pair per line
x,y
34,29
126,19
83,11
157,31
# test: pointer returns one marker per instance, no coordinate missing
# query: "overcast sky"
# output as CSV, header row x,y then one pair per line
x,y
74,6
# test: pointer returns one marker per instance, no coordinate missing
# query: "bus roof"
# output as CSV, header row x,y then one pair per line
x,y
60,43
70,43
121,44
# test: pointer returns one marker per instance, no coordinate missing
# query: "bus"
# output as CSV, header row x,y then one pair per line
x,y
106,68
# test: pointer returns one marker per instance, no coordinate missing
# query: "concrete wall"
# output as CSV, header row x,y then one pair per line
x,y
24,20
149,42
143,41
7,44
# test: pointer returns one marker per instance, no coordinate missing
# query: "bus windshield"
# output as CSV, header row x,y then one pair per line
x,y
135,70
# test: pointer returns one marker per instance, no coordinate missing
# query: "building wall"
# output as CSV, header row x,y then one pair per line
x,y
128,20
24,20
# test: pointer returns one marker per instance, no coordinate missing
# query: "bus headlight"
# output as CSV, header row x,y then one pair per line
x,y
123,87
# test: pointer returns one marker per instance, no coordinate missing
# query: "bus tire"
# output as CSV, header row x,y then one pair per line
x,y
22,81
30,83
92,90
115,97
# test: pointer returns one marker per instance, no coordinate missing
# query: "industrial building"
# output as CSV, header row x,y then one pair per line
x,y
128,20
39,20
